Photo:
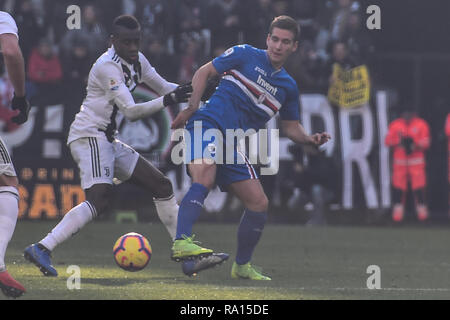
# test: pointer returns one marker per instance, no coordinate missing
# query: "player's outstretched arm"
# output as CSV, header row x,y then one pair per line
x,y
134,111
110,79
295,131
154,80
199,83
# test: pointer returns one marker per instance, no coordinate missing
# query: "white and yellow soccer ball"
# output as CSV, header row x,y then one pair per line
x,y
132,252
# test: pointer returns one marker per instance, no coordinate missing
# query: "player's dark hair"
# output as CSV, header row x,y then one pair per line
x,y
286,23
125,21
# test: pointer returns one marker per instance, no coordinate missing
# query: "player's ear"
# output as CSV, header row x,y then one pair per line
x,y
112,39
294,48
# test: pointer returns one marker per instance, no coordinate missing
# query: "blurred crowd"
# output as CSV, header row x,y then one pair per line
x,y
179,35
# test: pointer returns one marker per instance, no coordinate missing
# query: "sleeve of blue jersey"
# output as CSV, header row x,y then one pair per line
x,y
291,108
230,59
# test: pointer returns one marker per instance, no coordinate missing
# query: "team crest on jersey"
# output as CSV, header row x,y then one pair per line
x,y
113,85
212,148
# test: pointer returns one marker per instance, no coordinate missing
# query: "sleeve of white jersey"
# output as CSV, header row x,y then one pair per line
x,y
7,24
110,79
152,79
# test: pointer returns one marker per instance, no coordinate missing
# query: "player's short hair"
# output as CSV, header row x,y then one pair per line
x,y
125,21
286,23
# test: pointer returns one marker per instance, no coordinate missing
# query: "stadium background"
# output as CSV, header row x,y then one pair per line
x,y
407,60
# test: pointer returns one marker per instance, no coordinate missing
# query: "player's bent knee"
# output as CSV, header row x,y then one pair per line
x,y
259,204
99,197
100,202
264,204
164,188
203,174
207,183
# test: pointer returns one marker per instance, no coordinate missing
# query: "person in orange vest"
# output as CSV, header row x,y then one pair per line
x,y
447,132
409,138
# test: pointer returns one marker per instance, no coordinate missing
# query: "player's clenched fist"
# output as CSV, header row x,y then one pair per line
x,y
320,138
181,94
21,104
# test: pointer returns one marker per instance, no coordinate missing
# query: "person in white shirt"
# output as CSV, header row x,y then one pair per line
x,y
9,194
99,155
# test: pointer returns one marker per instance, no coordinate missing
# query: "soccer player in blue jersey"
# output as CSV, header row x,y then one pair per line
x,y
253,88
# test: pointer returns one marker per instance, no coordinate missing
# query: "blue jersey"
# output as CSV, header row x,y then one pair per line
x,y
251,91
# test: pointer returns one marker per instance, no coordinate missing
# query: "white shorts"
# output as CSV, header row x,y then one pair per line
x,y
100,161
6,166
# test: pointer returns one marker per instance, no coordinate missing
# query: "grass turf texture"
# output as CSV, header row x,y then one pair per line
x,y
304,263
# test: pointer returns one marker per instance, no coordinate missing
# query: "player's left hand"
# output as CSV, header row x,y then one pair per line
x,y
21,104
320,138
181,93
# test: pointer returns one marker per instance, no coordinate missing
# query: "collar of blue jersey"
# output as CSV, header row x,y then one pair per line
x,y
270,64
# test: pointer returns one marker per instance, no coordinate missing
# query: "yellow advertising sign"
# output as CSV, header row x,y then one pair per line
x,y
48,193
350,88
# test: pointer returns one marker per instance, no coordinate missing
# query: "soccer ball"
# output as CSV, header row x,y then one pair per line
x,y
132,252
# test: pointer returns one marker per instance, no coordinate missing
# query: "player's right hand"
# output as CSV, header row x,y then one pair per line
x,y
21,104
182,93
320,138
181,119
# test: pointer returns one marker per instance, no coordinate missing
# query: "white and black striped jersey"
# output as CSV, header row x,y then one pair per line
x,y
111,76
7,25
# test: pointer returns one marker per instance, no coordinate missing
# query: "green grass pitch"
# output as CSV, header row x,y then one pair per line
x,y
304,263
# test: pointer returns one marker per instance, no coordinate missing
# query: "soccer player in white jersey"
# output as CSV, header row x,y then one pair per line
x,y
9,195
100,156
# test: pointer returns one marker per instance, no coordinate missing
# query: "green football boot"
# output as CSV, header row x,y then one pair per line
x,y
246,271
187,248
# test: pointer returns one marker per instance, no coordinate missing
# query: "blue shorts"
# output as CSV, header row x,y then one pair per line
x,y
203,140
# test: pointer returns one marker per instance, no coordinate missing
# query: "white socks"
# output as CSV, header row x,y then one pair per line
x,y
167,209
80,215
72,222
9,210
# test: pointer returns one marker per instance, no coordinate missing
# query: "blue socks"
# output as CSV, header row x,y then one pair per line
x,y
190,209
249,232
